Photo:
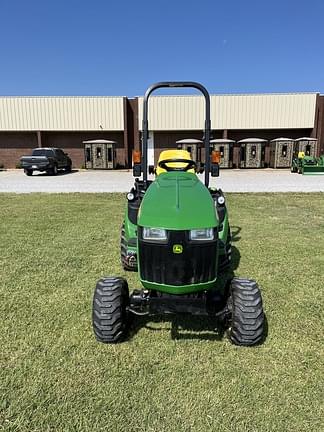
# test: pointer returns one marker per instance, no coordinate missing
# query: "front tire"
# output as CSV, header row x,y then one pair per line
x,y
28,172
109,311
247,320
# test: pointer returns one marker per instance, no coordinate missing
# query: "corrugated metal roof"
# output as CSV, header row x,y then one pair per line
x,y
255,111
61,113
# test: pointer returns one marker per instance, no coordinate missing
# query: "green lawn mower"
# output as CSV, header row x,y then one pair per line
x,y
176,234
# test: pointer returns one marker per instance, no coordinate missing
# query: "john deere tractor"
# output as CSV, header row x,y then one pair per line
x,y
307,165
176,234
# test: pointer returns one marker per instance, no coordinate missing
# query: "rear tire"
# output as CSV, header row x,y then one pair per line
x,y
28,172
109,310
68,169
247,321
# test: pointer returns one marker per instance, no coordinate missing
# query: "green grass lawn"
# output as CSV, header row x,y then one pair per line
x,y
174,374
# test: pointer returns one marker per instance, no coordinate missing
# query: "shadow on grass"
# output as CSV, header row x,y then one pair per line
x,y
235,262
265,330
187,327
235,231
183,327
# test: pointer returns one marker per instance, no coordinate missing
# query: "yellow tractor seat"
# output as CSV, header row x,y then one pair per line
x,y
173,154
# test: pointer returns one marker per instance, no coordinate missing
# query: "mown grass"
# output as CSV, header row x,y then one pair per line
x,y
173,374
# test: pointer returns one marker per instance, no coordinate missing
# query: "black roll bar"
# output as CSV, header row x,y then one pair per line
x,y
145,129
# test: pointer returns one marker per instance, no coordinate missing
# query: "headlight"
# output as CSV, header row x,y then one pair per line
x,y
130,196
157,234
202,234
221,200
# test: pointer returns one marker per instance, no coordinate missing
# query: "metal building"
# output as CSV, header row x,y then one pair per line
x,y
65,122
281,152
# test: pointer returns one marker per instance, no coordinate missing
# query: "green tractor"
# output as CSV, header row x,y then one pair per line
x,y
176,234
307,165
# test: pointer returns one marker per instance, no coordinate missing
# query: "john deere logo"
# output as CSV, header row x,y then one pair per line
x,y
177,249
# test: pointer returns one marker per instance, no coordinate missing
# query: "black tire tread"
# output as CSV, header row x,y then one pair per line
x,y
247,323
53,170
109,316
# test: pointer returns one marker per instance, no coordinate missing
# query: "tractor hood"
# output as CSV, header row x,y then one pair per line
x,y
178,201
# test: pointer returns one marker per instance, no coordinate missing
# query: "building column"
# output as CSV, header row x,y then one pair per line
x,y
237,155
267,154
39,138
318,131
126,132
136,136
131,132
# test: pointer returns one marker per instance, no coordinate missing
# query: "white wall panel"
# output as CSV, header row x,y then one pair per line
x,y
61,113
257,111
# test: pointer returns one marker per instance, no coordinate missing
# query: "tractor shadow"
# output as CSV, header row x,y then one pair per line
x,y
183,327
236,256
196,328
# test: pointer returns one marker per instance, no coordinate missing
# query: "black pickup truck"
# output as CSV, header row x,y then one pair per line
x,y
46,159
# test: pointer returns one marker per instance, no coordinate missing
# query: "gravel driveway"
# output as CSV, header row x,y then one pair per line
x,y
263,180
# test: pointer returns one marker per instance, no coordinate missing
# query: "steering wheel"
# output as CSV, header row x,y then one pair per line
x,y
190,164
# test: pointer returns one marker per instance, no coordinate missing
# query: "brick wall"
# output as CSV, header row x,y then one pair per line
x,y
13,145
71,143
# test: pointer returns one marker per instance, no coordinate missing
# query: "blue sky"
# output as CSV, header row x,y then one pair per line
x,y
111,47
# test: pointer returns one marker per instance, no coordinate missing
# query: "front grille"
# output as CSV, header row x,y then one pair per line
x,y
159,264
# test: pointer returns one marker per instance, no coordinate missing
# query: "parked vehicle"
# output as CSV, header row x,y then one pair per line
x,y
46,159
307,165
